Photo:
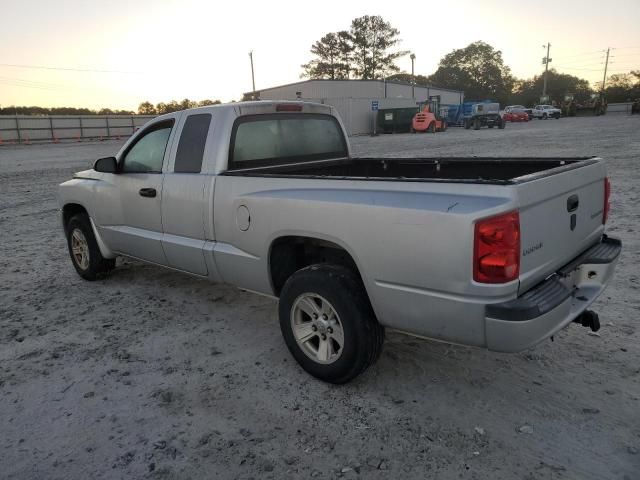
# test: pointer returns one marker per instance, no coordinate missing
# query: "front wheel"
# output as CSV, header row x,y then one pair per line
x,y
502,124
328,324
432,127
84,251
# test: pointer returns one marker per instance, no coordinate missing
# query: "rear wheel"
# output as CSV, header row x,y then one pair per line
x,y
476,124
84,251
432,127
328,324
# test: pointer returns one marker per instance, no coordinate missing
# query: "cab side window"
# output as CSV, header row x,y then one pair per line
x,y
192,142
147,154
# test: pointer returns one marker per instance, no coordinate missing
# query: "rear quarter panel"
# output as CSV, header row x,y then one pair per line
x,y
412,242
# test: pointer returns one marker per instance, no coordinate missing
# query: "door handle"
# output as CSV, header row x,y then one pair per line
x,y
147,192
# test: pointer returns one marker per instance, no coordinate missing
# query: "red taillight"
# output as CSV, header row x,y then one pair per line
x,y
288,107
607,205
496,252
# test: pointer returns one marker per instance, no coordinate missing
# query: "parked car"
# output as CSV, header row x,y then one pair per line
x,y
512,114
529,111
543,112
495,253
483,114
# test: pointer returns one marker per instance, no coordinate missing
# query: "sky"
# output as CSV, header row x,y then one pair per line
x,y
117,54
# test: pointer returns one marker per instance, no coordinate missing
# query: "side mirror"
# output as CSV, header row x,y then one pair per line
x,y
106,165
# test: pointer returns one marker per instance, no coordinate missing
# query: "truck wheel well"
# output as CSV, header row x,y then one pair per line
x,y
290,254
69,210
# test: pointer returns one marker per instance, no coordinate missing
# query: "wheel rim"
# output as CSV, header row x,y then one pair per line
x,y
317,328
80,249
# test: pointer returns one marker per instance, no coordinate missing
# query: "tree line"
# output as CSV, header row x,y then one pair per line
x,y
145,108
33,110
368,50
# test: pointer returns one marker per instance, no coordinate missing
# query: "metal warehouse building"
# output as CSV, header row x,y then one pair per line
x,y
353,98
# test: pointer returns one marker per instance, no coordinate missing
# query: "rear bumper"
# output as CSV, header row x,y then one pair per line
x,y
551,305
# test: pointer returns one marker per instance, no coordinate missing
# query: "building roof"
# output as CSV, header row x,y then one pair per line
x,y
396,82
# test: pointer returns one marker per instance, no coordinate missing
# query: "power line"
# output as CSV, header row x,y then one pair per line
x,y
18,82
23,85
32,82
592,52
65,69
584,65
583,59
623,64
626,55
577,68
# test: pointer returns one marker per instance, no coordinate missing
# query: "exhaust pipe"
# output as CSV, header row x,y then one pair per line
x,y
590,319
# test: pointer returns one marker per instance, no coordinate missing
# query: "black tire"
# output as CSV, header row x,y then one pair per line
x,y
556,116
432,127
467,125
363,335
502,124
545,116
444,127
476,124
97,264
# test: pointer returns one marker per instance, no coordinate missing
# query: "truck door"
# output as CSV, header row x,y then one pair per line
x,y
128,215
186,189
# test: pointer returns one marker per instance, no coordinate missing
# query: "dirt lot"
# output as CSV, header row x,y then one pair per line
x,y
150,373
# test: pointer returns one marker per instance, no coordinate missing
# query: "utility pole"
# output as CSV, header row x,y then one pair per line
x,y
413,77
606,64
546,61
253,80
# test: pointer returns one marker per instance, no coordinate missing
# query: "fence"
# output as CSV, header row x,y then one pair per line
x,y
623,107
54,128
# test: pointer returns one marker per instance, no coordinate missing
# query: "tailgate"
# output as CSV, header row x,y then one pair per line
x,y
560,217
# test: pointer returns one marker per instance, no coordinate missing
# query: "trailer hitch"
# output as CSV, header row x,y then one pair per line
x,y
590,319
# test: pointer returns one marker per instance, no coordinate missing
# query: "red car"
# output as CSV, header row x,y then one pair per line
x,y
515,115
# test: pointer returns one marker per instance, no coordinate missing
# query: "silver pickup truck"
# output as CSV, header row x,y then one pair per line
x,y
489,252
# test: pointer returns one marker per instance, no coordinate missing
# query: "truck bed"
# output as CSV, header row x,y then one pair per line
x,y
490,170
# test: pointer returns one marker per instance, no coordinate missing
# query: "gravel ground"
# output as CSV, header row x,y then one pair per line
x,y
154,374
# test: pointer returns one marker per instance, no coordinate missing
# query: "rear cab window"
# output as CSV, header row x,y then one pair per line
x,y
276,139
